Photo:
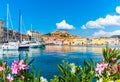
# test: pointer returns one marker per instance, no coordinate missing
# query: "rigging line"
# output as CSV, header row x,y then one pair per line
x,y
7,16
11,23
24,26
10,20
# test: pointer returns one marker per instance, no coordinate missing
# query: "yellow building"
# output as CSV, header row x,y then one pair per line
x,y
68,41
79,41
98,41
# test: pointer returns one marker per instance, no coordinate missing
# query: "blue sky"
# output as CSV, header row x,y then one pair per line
x,y
80,17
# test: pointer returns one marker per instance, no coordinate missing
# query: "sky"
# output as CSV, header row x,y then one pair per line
x,y
90,18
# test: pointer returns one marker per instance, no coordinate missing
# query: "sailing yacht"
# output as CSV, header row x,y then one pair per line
x,y
9,45
24,45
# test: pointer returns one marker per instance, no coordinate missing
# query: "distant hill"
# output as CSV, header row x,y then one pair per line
x,y
116,36
63,34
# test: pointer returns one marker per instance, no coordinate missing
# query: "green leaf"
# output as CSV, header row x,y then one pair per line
x,y
26,59
38,75
31,61
59,66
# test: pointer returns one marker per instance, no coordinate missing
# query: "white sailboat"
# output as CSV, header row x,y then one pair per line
x,y
10,45
23,45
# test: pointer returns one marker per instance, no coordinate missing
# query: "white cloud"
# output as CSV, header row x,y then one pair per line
x,y
118,9
102,33
83,27
64,25
101,23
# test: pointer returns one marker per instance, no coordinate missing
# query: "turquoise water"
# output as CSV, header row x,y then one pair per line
x,y
46,59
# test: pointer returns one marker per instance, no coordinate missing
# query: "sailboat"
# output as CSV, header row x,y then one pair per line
x,y
23,45
13,45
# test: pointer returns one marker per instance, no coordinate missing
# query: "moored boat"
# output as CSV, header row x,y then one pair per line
x,y
36,44
24,45
10,46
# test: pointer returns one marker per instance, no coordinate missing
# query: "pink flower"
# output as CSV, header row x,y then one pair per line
x,y
114,59
22,77
4,64
100,67
14,68
1,68
115,70
10,78
17,66
22,66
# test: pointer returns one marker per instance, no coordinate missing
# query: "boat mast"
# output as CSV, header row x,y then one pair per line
x,y
31,32
21,28
19,37
7,24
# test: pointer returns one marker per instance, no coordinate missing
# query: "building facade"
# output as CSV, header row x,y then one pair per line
x,y
79,41
34,35
98,41
1,30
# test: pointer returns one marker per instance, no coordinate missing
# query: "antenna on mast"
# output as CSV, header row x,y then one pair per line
x,y
7,15
31,27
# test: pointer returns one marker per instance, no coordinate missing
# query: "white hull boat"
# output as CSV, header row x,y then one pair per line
x,y
24,44
36,44
10,46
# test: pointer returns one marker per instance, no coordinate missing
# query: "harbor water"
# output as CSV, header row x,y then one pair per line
x,y
46,59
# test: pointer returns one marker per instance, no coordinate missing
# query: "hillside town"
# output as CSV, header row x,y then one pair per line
x,y
55,38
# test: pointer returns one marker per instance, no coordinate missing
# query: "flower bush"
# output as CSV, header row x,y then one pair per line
x,y
107,70
19,72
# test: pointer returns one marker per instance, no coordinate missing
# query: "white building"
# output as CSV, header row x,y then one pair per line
x,y
112,41
35,36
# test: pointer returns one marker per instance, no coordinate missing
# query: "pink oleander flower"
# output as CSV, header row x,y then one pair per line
x,y
1,68
22,77
115,70
100,67
22,66
114,59
10,78
14,67
17,66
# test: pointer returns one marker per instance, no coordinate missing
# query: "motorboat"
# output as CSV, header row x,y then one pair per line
x,y
36,44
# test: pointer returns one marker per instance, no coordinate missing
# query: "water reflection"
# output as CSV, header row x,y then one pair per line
x,y
36,51
30,52
72,49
